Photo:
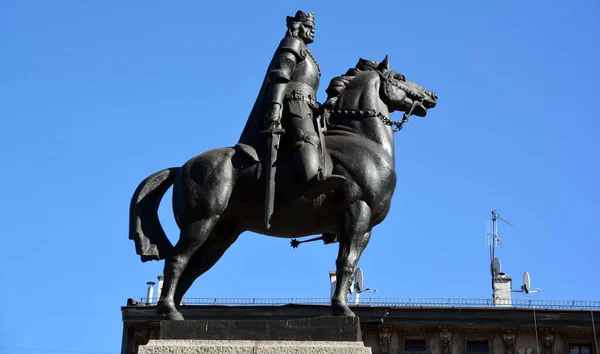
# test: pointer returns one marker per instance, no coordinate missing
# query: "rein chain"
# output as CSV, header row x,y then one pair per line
x,y
397,125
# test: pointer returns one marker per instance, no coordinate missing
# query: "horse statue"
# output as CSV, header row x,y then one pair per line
x,y
219,194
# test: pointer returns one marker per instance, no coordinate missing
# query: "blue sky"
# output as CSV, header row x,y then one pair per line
x,y
98,95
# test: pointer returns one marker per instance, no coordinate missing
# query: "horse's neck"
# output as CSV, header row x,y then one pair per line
x,y
363,95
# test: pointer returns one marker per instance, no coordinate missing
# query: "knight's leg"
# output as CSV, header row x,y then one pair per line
x,y
354,238
192,237
305,142
307,154
220,239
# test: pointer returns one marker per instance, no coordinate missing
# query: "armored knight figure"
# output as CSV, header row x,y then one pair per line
x,y
288,100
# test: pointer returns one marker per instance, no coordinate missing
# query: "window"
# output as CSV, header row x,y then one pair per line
x,y
576,348
478,346
415,346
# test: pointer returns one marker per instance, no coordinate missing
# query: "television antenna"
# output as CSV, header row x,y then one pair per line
x,y
492,231
494,240
498,277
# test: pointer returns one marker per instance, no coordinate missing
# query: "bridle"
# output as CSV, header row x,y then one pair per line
x,y
366,113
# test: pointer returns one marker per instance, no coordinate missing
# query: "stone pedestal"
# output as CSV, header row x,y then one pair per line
x,y
175,346
309,335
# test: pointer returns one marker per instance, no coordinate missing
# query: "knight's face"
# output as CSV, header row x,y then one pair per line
x,y
307,32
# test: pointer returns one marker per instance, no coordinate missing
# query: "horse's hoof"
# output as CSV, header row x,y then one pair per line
x,y
168,311
172,316
342,311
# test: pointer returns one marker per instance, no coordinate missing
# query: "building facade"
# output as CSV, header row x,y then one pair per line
x,y
444,326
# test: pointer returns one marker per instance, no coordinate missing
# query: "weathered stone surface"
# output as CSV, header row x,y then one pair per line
x,y
162,346
326,328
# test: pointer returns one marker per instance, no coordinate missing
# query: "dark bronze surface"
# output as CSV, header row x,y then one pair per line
x,y
334,176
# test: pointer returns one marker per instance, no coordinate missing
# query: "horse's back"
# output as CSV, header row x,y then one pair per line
x,y
208,163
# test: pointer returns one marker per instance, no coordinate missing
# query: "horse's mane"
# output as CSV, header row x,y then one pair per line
x,y
339,83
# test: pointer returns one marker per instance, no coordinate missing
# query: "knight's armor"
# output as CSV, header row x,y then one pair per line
x,y
294,80
288,96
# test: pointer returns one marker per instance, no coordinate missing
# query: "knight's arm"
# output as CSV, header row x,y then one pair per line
x,y
280,76
288,55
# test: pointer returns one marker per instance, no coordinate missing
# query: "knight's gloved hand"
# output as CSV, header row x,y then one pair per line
x,y
273,116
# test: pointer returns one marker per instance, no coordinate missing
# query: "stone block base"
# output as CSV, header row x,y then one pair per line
x,y
324,329
176,346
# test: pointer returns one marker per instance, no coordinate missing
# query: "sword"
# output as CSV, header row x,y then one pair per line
x,y
274,136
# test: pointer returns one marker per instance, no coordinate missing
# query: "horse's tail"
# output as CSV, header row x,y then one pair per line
x,y
151,242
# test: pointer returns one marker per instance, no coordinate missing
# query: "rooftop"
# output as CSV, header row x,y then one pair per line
x,y
392,302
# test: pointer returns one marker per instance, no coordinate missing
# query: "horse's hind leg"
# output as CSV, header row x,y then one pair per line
x,y
191,239
354,238
222,237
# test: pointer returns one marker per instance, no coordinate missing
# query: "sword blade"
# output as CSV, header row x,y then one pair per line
x,y
271,169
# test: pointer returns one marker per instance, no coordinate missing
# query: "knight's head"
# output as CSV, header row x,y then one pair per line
x,y
302,25
401,94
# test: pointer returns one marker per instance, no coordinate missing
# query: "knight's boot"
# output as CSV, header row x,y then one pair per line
x,y
308,160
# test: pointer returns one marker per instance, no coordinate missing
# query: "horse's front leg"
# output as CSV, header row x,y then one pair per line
x,y
354,237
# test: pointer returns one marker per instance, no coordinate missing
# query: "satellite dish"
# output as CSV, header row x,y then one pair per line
x,y
496,268
358,278
526,283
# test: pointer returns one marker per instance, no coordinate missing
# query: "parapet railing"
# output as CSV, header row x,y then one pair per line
x,y
394,302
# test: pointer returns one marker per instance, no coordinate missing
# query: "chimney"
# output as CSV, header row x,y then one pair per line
x,y
159,287
150,292
502,285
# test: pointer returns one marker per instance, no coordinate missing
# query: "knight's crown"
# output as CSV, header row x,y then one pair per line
x,y
301,16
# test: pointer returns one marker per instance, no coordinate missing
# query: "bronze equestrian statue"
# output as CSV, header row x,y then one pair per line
x,y
221,193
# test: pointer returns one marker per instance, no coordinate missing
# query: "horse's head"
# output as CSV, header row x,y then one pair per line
x,y
355,93
400,94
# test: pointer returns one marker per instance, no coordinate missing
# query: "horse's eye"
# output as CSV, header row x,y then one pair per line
x,y
399,77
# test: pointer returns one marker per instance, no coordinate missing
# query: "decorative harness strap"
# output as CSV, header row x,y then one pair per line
x,y
397,125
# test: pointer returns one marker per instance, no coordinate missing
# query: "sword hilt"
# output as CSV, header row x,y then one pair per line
x,y
272,130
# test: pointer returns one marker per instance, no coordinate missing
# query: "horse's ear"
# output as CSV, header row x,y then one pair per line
x,y
385,64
